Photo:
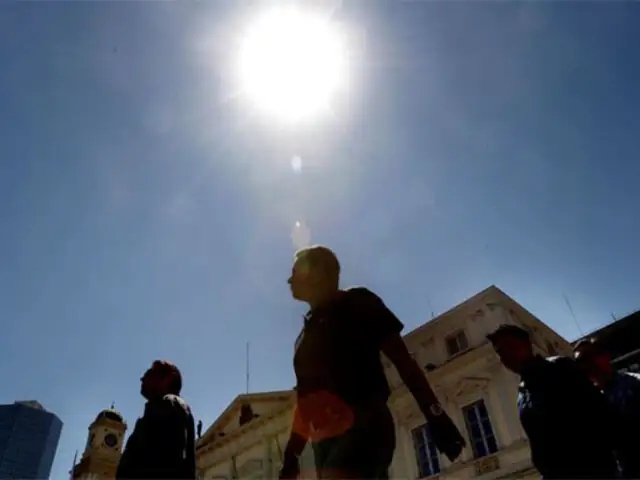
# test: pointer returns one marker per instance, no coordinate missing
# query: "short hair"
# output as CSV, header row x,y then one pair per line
x,y
166,368
320,256
593,345
509,330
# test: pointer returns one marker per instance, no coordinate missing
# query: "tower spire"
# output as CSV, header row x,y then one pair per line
x,y
573,315
247,367
73,466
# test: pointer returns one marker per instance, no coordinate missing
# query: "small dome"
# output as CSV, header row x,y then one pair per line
x,y
110,414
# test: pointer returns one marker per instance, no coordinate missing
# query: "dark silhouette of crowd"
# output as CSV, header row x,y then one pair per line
x,y
581,417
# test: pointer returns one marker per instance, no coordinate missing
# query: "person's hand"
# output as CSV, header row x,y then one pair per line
x,y
446,435
290,468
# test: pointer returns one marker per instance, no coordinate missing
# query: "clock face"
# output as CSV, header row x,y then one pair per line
x,y
110,440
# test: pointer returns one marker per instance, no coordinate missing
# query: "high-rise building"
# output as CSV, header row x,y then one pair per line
x,y
28,440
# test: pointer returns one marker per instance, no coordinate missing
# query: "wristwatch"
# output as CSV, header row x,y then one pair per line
x,y
436,409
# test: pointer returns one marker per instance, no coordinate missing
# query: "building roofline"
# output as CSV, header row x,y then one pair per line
x,y
236,402
607,327
491,289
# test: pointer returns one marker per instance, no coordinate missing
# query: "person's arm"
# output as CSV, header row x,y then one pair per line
x,y
588,397
384,329
126,467
446,435
410,372
294,448
167,441
122,472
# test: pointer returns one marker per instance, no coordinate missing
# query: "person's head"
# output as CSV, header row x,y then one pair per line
x,y
161,379
315,274
594,358
513,346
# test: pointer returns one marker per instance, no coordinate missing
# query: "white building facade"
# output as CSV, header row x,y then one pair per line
x,y
474,388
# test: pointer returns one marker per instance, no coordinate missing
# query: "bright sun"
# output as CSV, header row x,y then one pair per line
x,y
292,63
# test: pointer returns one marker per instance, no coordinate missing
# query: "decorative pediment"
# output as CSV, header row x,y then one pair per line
x,y
250,467
487,465
469,385
406,409
247,414
492,364
408,415
243,410
493,306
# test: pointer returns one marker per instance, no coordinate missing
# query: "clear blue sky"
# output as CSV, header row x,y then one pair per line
x,y
146,214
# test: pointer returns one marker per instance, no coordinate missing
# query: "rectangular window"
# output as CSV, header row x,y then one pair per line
x,y
456,343
483,440
426,452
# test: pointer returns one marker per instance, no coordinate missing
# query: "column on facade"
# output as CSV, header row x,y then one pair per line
x,y
507,404
404,463
409,456
454,408
498,413
267,458
233,468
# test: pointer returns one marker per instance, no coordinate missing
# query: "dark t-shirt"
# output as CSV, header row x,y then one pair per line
x,y
338,350
567,421
162,444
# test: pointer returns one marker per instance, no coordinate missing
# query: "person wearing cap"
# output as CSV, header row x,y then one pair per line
x,y
341,387
622,389
162,444
566,418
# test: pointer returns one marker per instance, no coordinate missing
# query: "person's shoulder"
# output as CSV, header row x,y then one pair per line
x,y
176,402
562,367
362,298
362,294
563,364
560,361
169,406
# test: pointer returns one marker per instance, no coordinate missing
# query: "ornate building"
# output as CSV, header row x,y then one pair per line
x,y
104,447
477,392
246,441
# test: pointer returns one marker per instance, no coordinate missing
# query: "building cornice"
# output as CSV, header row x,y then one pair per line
x,y
443,372
284,396
470,305
243,432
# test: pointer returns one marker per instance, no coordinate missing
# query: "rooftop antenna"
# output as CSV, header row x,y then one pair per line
x,y
430,308
247,366
73,467
573,315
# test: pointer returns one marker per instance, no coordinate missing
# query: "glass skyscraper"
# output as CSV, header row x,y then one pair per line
x,y
28,441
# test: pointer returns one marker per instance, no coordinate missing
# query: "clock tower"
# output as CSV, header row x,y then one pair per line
x,y
104,447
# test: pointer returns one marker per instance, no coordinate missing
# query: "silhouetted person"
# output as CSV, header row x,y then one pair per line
x,y
341,388
623,392
162,444
199,428
566,418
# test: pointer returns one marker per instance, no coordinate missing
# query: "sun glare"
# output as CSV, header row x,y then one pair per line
x,y
292,63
